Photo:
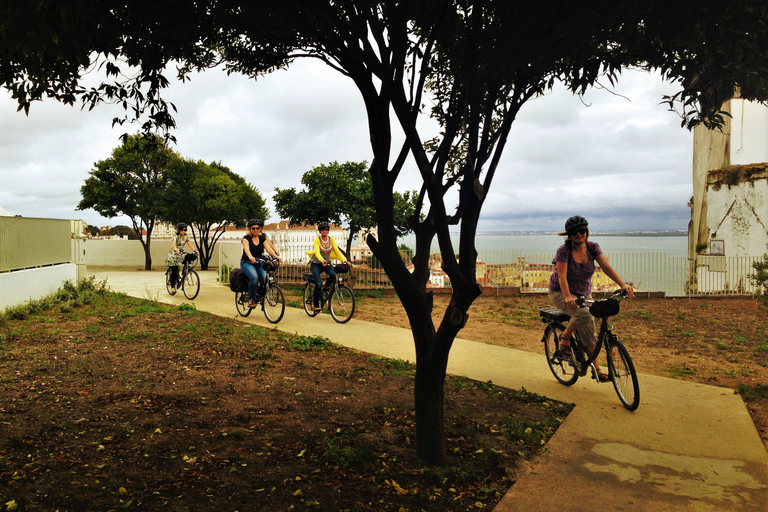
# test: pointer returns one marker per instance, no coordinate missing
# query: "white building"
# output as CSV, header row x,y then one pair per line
x,y
729,208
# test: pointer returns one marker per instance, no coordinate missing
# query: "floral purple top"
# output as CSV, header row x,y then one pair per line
x,y
579,274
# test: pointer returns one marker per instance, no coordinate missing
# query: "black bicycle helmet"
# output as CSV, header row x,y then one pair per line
x,y
179,227
256,222
575,222
323,225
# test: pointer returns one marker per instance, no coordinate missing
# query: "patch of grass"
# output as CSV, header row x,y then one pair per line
x,y
679,372
397,367
372,293
186,309
758,391
643,315
306,343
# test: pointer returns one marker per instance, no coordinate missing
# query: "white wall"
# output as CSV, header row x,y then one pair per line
x,y
129,253
33,284
749,132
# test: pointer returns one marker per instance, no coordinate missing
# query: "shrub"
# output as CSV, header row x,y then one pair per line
x,y
760,279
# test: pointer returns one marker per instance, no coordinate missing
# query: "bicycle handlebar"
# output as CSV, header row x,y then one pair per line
x,y
618,295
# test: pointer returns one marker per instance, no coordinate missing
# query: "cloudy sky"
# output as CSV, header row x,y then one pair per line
x,y
622,161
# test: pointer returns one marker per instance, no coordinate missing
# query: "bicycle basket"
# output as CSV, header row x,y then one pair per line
x,y
190,257
341,268
604,308
270,265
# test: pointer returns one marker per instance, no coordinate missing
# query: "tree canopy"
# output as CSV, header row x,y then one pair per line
x,y
341,194
470,64
131,183
209,197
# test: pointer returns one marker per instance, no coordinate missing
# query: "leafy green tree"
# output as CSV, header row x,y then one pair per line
x,y
122,231
208,197
131,183
760,279
92,230
341,194
471,65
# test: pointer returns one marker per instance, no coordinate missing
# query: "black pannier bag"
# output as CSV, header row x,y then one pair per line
x,y
604,308
190,257
238,281
341,268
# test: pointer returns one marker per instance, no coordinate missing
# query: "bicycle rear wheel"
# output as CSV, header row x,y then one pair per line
x,y
309,306
342,304
274,303
191,285
560,365
623,374
241,303
168,285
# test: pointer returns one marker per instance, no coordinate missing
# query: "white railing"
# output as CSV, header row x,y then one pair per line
x,y
647,272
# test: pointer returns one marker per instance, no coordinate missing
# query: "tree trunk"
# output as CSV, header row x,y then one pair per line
x,y
147,257
429,396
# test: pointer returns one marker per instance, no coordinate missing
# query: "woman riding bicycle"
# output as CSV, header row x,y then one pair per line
x,y
176,254
324,250
254,245
575,264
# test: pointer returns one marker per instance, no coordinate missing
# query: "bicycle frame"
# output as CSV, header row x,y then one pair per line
x,y
568,366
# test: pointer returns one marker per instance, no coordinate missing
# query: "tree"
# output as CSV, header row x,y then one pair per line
x,y
131,183
342,194
92,230
122,231
208,197
475,62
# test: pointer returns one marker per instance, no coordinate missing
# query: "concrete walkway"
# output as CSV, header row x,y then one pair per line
x,y
688,447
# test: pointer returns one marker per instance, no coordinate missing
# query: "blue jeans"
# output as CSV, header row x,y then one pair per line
x,y
256,276
317,270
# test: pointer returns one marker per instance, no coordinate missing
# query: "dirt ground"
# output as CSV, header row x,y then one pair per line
x,y
716,341
113,403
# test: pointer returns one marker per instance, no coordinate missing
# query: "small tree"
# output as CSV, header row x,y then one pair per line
x,y
341,194
131,183
760,279
208,197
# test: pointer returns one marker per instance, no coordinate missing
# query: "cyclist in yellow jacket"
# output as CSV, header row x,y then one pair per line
x,y
324,250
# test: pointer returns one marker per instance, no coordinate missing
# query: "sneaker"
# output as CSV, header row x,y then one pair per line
x,y
251,304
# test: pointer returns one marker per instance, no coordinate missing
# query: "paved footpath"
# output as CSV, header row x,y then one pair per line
x,y
688,447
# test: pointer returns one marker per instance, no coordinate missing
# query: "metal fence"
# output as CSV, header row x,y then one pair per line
x,y
647,272
657,272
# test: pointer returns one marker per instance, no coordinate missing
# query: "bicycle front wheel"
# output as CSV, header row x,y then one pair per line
x,y
560,365
191,285
168,285
309,306
241,303
342,304
623,374
274,304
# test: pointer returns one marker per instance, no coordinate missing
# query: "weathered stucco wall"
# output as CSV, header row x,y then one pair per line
x,y
729,208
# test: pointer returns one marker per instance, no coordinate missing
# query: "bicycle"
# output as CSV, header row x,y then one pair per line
x,y
272,300
190,281
340,299
568,368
